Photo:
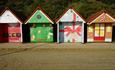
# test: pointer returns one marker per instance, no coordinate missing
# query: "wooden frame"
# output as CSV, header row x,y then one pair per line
x,y
93,20
58,21
18,20
42,15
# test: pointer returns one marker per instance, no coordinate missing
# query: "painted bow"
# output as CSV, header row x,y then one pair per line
x,y
69,30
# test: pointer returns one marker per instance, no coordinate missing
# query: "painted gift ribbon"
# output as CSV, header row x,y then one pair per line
x,y
69,30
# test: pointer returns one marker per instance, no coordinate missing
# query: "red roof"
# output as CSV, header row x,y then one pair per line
x,y
114,16
38,8
94,16
12,11
66,11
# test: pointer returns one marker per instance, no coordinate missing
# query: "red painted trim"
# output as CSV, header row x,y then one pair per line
x,y
99,38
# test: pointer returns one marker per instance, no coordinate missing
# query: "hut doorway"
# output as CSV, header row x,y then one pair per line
x,y
3,33
10,27
10,32
41,32
99,32
113,37
70,32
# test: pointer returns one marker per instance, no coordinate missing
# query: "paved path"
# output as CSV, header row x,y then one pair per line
x,y
55,45
63,56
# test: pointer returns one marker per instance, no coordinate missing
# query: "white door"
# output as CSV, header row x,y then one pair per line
x,y
70,32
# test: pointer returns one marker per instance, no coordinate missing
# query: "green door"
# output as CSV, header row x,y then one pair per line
x,y
41,33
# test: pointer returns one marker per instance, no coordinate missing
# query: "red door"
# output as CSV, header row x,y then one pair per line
x,y
10,33
99,32
14,32
3,33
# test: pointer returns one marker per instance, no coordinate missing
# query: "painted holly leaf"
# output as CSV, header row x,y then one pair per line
x,y
32,37
39,31
49,35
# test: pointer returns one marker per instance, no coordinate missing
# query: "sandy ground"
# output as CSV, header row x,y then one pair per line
x,y
64,56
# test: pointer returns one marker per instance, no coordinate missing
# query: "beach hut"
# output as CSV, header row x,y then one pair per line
x,y
99,27
41,29
10,27
70,27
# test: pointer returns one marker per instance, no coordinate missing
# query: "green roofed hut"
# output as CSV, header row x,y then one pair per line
x,y
41,29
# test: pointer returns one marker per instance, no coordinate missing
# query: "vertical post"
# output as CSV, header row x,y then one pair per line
x,y
83,32
87,32
57,32
21,33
